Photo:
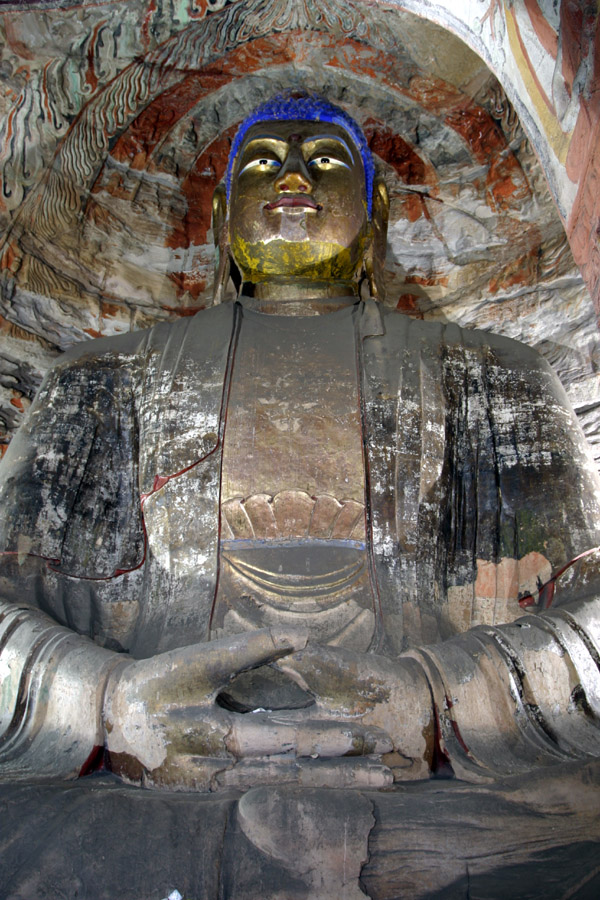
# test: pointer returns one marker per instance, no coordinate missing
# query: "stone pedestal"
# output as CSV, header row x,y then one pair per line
x,y
97,839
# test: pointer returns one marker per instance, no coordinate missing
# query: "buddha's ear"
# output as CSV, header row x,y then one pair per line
x,y
221,239
375,258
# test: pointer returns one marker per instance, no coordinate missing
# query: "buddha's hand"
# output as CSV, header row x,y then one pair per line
x,y
391,694
164,728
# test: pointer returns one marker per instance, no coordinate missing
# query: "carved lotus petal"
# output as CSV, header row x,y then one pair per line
x,y
293,514
259,509
325,512
347,518
293,510
237,519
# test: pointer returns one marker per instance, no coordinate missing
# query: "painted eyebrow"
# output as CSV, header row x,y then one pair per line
x,y
262,137
329,137
310,140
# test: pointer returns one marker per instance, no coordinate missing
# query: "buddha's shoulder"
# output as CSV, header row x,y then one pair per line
x,y
452,339
204,328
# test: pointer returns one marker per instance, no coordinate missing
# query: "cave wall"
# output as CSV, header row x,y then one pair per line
x,y
116,120
546,54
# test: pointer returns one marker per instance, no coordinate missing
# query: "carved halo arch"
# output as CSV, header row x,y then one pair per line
x,y
115,234
152,144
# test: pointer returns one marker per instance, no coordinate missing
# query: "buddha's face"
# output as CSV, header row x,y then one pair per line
x,y
298,206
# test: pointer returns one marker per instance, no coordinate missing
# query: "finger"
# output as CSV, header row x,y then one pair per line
x,y
331,773
250,650
267,735
210,667
344,773
187,772
339,678
198,731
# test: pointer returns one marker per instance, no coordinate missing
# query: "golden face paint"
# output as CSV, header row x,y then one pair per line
x,y
298,205
310,260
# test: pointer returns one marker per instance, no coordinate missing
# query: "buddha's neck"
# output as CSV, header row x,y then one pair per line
x,y
293,297
298,289
313,306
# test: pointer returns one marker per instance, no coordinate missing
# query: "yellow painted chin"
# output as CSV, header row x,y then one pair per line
x,y
310,260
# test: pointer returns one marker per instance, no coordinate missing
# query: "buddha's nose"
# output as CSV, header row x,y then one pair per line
x,y
293,177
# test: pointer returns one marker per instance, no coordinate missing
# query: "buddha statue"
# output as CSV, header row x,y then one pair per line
x,y
301,550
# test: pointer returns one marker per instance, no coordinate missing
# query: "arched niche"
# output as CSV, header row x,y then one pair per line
x,y
109,226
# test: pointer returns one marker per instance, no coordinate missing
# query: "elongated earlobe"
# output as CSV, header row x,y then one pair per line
x,y
221,239
374,263
364,274
374,260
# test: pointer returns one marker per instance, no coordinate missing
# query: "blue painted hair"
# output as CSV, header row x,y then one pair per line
x,y
312,109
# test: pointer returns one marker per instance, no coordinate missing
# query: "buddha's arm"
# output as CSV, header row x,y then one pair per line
x,y
511,697
494,701
52,677
514,697
51,699
64,699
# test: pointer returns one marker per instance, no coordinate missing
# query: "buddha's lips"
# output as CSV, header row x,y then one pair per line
x,y
294,202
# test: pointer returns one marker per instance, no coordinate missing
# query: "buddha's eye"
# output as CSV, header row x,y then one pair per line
x,y
263,163
327,162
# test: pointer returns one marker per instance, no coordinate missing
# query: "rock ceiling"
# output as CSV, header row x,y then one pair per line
x,y
116,129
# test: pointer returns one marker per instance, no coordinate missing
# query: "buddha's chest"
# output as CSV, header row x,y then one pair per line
x,y
293,412
292,543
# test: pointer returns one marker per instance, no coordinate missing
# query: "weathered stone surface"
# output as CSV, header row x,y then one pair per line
x,y
209,856
479,487
475,488
117,124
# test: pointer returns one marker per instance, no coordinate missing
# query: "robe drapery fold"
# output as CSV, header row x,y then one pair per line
x,y
473,458
479,485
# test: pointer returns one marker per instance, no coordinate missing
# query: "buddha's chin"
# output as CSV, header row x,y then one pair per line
x,y
316,261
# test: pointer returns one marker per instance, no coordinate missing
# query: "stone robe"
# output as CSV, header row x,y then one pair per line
x,y
478,484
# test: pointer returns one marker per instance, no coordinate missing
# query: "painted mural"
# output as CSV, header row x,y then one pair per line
x,y
116,119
